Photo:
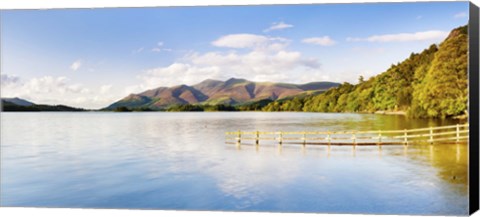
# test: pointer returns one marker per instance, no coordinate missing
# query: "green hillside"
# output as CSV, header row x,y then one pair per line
x,y
20,105
213,94
431,84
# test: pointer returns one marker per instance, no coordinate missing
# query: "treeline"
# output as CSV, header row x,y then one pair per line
x,y
252,106
432,84
11,107
180,108
201,108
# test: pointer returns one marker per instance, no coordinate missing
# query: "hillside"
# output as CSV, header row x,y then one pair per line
x,y
431,84
231,92
18,101
20,105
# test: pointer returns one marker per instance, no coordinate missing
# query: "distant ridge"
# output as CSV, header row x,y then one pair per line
x,y
16,104
234,91
18,101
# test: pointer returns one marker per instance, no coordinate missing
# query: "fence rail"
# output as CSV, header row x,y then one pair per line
x,y
456,133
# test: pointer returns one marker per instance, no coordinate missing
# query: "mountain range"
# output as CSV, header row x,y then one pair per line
x,y
233,91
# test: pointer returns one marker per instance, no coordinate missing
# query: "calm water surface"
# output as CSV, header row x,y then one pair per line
x,y
180,161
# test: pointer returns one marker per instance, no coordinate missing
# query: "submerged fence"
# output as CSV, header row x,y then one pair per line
x,y
444,134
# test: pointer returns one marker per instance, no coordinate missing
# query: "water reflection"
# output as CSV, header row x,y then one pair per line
x,y
451,162
449,159
180,161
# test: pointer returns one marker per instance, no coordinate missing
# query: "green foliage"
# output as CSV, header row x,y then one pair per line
x,y
293,104
7,106
431,84
254,106
122,109
443,91
200,108
361,79
219,107
187,108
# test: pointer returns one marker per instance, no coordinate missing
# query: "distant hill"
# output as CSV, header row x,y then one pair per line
x,y
18,101
17,104
233,91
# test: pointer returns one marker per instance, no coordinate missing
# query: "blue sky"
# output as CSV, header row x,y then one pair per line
x,y
92,57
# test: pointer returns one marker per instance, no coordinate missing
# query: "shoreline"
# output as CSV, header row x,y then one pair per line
x,y
462,117
390,112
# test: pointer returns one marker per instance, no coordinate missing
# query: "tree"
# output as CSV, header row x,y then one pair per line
x,y
443,91
122,109
361,79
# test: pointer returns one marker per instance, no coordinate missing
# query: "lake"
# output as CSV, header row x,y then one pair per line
x,y
155,160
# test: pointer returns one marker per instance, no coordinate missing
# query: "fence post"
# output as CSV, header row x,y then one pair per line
x,y
354,138
405,140
380,137
431,135
256,138
304,138
328,137
458,133
239,137
281,138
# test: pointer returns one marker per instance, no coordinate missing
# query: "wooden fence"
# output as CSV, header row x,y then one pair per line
x,y
444,134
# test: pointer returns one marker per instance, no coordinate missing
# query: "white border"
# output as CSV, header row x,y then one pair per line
x,y
49,4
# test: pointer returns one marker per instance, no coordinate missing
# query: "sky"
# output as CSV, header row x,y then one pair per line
x,y
90,58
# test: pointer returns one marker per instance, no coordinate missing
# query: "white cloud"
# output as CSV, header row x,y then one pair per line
x,y
159,47
8,79
460,15
41,87
323,41
251,41
419,17
278,26
404,37
261,58
174,74
49,84
156,49
105,88
240,41
57,90
76,65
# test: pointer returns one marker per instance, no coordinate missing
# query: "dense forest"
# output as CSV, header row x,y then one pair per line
x,y
431,84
